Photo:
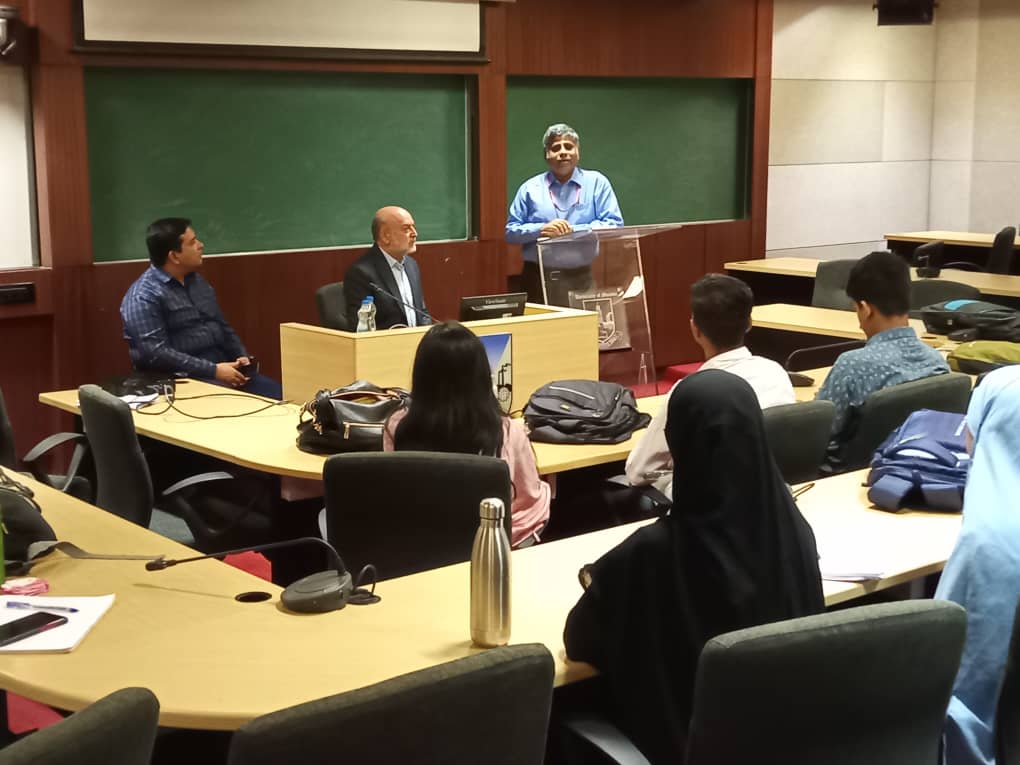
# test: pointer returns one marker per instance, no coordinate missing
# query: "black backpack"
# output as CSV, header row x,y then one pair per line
x,y
992,322
583,412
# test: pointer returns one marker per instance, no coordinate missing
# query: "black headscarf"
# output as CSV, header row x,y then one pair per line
x,y
734,552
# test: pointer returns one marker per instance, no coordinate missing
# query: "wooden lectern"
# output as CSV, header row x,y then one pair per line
x,y
548,343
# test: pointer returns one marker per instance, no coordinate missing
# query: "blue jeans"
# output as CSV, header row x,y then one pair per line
x,y
260,385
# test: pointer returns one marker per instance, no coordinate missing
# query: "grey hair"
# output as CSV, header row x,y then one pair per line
x,y
559,130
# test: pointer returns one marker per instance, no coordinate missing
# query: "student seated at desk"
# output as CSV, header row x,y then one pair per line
x,y
720,318
453,409
734,552
879,285
983,572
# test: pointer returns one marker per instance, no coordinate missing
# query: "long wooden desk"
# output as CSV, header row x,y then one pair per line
x,y
215,663
821,321
989,284
266,441
956,238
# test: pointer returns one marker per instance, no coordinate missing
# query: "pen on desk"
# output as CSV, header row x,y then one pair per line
x,y
801,489
22,604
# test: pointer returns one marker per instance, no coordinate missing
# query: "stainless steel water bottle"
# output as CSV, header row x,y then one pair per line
x,y
490,577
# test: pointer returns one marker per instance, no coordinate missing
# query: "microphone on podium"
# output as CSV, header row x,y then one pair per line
x,y
314,594
389,294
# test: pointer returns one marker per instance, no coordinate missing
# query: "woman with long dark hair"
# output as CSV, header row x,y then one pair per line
x,y
734,552
453,409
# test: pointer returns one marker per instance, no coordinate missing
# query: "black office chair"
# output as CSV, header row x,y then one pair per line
x,y
491,708
124,486
830,285
784,692
119,729
1007,709
1000,257
929,291
74,484
409,511
332,306
798,435
927,258
886,409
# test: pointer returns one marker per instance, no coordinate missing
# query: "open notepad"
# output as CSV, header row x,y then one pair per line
x,y
60,639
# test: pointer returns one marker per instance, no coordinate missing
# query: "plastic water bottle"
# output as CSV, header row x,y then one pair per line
x,y
366,315
490,577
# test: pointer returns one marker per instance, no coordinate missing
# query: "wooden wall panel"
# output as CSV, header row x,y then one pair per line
x,y
672,262
26,370
651,38
42,278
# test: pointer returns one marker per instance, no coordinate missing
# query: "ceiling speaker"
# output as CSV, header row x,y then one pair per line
x,y
891,12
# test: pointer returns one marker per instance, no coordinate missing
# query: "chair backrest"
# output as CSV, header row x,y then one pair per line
x,y
124,486
8,457
119,729
798,434
332,306
1007,710
492,707
409,511
929,291
863,686
928,254
886,409
1000,258
830,285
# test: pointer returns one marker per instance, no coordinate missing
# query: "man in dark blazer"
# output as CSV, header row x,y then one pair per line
x,y
388,265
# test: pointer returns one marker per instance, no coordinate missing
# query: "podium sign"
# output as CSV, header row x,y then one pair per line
x,y
600,270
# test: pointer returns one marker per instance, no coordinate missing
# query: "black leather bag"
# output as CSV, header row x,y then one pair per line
x,y
583,412
23,522
348,419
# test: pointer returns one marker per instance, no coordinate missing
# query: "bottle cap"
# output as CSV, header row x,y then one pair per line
x,y
368,299
491,509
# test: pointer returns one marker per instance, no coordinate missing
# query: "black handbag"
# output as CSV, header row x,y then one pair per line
x,y
23,522
348,419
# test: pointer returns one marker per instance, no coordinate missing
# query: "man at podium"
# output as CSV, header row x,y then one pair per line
x,y
559,201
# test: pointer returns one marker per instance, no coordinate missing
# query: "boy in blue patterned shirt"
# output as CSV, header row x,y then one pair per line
x,y
879,285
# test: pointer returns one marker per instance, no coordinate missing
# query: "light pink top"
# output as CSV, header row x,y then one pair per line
x,y
530,508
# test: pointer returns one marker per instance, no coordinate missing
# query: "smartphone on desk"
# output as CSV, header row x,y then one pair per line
x,y
26,626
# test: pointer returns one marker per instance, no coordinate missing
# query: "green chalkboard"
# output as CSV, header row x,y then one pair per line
x,y
674,149
273,160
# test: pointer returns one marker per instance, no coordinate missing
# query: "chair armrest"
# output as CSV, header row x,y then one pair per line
x,y
195,480
31,459
602,741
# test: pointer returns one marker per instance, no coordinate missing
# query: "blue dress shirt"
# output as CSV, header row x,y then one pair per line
x,y
585,201
403,285
889,358
177,328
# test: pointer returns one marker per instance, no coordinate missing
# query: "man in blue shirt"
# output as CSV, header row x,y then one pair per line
x,y
560,201
172,322
879,285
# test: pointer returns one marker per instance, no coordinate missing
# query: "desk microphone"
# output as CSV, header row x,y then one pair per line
x,y
389,294
313,594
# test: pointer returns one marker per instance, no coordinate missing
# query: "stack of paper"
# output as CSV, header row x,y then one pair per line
x,y
60,639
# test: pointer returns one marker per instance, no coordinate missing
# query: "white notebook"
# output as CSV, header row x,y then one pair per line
x,y
60,639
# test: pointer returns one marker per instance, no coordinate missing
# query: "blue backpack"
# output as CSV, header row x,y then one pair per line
x,y
923,463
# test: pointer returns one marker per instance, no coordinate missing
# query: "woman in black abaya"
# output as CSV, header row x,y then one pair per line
x,y
734,552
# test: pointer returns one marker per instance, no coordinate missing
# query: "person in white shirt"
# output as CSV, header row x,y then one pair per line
x,y
720,318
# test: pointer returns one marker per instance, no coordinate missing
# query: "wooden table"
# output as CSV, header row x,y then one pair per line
x,y
989,284
215,663
266,441
956,238
821,321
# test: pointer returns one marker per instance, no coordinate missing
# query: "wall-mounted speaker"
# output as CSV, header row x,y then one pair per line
x,y
905,11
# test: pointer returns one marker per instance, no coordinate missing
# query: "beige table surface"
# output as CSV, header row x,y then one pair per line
x,y
965,238
989,284
215,663
821,321
265,441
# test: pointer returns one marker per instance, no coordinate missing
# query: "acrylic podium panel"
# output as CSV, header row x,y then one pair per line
x,y
600,270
